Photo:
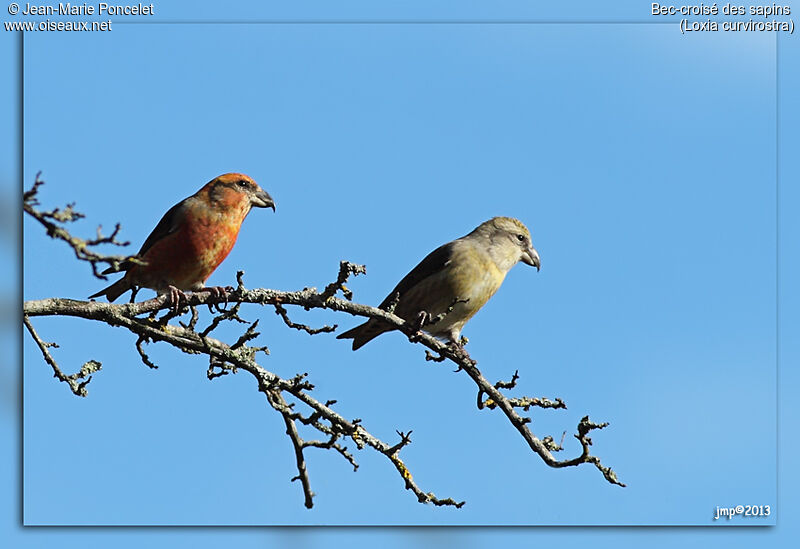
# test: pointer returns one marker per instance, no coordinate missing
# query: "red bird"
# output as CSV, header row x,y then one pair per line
x,y
192,239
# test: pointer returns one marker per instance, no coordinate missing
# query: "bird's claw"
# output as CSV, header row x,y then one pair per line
x,y
174,297
220,292
455,345
419,322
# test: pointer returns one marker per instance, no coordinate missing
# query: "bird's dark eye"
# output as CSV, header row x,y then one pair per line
x,y
242,183
521,237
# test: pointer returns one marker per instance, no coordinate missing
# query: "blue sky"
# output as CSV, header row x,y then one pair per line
x,y
642,160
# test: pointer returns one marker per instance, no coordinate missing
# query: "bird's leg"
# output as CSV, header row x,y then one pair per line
x,y
134,291
454,338
174,296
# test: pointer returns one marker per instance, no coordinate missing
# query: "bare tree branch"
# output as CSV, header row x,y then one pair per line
x,y
284,394
51,219
226,358
88,368
124,315
281,311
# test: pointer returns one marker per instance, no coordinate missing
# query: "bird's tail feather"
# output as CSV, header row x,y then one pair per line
x,y
115,290
363,334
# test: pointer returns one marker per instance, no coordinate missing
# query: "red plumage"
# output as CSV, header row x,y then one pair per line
x,y
192,238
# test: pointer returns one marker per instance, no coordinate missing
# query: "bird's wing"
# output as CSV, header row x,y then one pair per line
x,y
433,263
168,225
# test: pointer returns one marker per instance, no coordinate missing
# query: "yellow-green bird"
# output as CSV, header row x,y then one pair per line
x,y
462,275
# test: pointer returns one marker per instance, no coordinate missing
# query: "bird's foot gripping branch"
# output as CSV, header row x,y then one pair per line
x,y
310,423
